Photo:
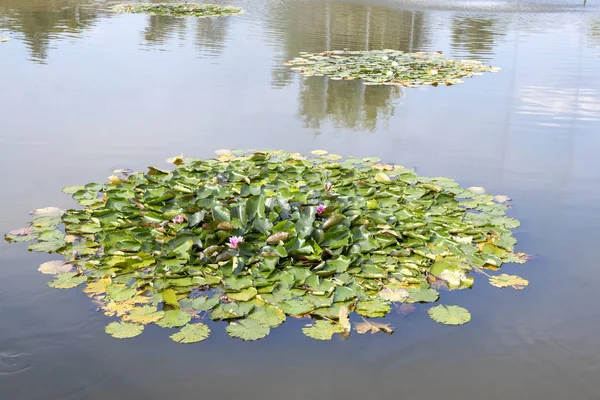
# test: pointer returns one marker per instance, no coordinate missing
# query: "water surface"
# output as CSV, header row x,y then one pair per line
x,y
85,91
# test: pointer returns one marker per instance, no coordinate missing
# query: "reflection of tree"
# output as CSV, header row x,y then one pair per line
x,y
476,36
44,21
348,104
210,33
594,32
316,27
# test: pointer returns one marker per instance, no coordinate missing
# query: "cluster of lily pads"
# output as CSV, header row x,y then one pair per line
x,y
178,9
388,67
252,238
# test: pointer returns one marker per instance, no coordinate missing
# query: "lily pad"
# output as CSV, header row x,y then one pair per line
x,y
178,10
248,329
123,330
390,67
174,319
449,315
55,267
505,280
191,333
251,238
322,330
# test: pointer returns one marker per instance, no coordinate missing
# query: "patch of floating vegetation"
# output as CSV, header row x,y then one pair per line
x,y
388,67
252,238
179,9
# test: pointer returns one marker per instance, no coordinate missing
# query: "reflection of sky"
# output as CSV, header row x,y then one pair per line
x,y
561,104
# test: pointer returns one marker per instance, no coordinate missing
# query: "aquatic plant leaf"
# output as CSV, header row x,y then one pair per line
x,y
4,39
394,295
389,67
120,292
55,267
423,295
373,327
144,315
204,303
243,295
97,287
170,298
322,330
268,315
263,235
449,315
247,329
191,333
373,308
505,280
124,330
502,199
344,319
178,10
174,319
67,280
47,211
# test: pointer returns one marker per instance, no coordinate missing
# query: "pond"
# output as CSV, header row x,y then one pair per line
x,y
86,91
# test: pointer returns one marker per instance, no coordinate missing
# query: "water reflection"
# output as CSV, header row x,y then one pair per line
x,y
477,37
560,105
315,27
44,21
210,33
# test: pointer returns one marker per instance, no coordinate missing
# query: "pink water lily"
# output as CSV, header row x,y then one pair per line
x,y
234,241
320,209
178,219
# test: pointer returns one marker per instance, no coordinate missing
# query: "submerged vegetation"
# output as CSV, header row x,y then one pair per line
x,y
252,238
388,67
178,9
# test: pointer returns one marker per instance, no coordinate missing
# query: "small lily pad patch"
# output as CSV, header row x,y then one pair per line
x,y
178,9
388,67
254,238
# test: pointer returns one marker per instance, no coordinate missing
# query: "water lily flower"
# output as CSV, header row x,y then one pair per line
x,y
234,241
320,209
178,219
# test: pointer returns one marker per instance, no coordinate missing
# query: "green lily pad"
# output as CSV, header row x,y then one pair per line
x,y
124,330
67,280
391,67
191,333
174,319
178,10
268,315
323,330
449,315
250,237
248,329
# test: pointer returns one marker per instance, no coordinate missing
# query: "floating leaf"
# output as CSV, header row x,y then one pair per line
x,y
373,327
505,280
67,280
248,329
322,330
262,235
391,67
343,319
191,333
268,315
449,315
144,315
174,319
178,10
123,330
373,308
502,199
55,267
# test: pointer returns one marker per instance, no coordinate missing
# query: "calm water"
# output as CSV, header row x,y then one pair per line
x,y
84,91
